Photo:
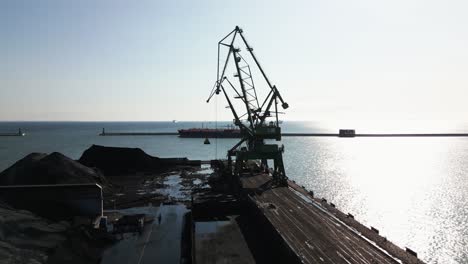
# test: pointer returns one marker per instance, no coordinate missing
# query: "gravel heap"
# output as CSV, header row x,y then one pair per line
x,y
55,168
114,161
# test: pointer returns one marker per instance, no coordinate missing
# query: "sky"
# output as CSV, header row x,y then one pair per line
x,y
112,60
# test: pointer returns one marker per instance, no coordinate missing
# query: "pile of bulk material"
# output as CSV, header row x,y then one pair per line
x,y
53,186
33,237
118,161
55,168
38,237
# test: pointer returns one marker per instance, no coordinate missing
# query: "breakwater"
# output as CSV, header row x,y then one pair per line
x,y
302,134
20,133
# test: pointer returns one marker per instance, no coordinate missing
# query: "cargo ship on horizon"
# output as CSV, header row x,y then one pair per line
x,y
209,133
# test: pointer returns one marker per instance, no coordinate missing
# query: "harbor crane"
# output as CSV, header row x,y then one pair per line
x,y
256,116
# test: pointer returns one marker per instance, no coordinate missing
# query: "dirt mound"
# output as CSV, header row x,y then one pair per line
x,y
21,167
40,168
118,161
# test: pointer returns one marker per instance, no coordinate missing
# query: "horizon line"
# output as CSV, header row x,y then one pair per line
x,y
213,121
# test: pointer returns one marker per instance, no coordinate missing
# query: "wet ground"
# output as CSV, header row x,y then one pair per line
x,y
171,187
159,242
162,198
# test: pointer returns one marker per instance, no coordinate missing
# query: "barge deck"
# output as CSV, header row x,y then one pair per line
x,y
310,231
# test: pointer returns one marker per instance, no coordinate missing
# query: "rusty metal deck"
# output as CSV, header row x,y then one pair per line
x,y
311,232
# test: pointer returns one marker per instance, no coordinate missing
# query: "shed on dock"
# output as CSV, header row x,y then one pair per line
x,y
56,201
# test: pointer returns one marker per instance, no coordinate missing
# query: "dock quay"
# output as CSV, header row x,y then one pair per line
x,y
290,225
311,231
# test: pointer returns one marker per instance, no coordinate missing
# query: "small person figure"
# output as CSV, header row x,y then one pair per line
x,y
159,219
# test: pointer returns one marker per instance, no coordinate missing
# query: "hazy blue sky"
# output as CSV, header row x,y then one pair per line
x,y
156,60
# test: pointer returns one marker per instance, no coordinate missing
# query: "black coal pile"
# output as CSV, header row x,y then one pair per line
x,y
117,161
55,168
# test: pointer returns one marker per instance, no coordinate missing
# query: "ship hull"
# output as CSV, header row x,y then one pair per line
x,y
209,133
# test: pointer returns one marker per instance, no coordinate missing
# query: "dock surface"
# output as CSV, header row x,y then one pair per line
x,y
311,232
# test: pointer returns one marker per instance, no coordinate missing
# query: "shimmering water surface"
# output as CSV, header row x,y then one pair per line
x,y
414,190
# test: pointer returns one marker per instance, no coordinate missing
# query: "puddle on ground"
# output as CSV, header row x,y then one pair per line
x,y
197,182
172,188
205,169
177,185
